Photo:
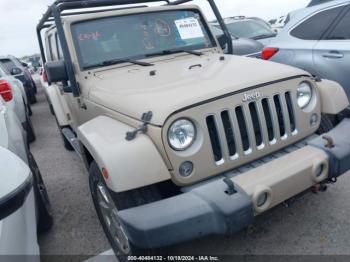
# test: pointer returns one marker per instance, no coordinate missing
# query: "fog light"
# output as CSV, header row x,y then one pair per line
x,y
314,120
186,169
262,199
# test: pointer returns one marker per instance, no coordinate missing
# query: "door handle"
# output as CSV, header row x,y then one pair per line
x,y
333,54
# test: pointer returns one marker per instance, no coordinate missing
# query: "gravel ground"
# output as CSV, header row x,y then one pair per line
x,y
315,225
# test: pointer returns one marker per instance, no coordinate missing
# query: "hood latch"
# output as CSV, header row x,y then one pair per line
x,y
146,118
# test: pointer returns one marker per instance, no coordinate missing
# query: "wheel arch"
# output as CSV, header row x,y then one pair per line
x,y
130,164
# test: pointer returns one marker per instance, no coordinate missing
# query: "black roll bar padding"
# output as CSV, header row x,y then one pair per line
x,y
54,14
65,51
222,24
96,11
41,46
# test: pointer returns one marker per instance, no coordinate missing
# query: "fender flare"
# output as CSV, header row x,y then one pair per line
x,y
130,164
58,103
333,97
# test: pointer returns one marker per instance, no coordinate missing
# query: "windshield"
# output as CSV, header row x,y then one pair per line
x,y
218,32
250,29
8,65
138,36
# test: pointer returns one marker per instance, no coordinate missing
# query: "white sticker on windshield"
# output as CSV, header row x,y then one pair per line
x,y
189,28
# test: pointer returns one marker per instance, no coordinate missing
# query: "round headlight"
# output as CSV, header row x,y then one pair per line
x,y
181,134
304,94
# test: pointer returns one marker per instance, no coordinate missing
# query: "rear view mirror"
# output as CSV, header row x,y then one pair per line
x,y
15,183
56,71
16,71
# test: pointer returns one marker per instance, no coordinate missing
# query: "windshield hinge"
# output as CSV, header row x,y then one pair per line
x,y
146,118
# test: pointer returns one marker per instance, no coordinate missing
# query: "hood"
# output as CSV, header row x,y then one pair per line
x,y
175,83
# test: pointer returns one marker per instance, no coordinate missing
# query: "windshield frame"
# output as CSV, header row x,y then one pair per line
x,y
83,67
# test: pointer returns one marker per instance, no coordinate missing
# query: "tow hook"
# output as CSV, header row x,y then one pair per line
x,y
231,187
319,188
329,142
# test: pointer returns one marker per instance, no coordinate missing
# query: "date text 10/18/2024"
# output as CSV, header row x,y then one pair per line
x,y
173,258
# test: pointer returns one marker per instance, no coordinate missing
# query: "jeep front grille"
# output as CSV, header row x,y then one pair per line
x,y
239,131
241,127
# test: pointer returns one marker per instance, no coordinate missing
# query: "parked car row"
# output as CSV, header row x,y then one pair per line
x,y
24,204
12,66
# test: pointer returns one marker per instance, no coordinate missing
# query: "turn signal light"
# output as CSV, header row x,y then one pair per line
x,y
269,52
6,91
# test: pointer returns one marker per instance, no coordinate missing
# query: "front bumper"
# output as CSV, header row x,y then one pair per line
x,y
208,209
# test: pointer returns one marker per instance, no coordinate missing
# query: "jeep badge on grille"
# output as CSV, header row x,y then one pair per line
x,y
251,97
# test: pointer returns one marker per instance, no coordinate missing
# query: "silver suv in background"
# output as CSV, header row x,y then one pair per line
x,y
250,27
316,39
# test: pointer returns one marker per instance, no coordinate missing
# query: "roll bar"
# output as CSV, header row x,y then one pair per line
x,y
54,14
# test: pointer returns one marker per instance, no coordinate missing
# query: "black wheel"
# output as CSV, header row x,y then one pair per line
x,y
32,99
107,205
30,130
29,110
44,211
326,125
35,87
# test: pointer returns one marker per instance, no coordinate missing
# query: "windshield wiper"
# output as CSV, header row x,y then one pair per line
x,y
336,38
118,61
264,36
175,51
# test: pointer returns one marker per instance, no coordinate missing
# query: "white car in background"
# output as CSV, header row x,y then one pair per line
x,y
13,93
24,204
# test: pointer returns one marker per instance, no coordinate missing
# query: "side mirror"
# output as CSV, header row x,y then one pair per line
x,y
223,41
56,71
16,71
16,182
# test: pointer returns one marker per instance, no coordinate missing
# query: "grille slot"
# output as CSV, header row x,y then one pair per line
x,y
230,139
290,112
268,118
238,132
256,123
214,138
280,116
243,128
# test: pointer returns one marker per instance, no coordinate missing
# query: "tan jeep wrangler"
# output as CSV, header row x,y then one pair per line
x,y
181,140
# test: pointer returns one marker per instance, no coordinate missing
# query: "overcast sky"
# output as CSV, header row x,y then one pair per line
x,y
18,18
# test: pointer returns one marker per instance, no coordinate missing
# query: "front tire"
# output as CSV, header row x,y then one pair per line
x,y
44,210
107,211
32,99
